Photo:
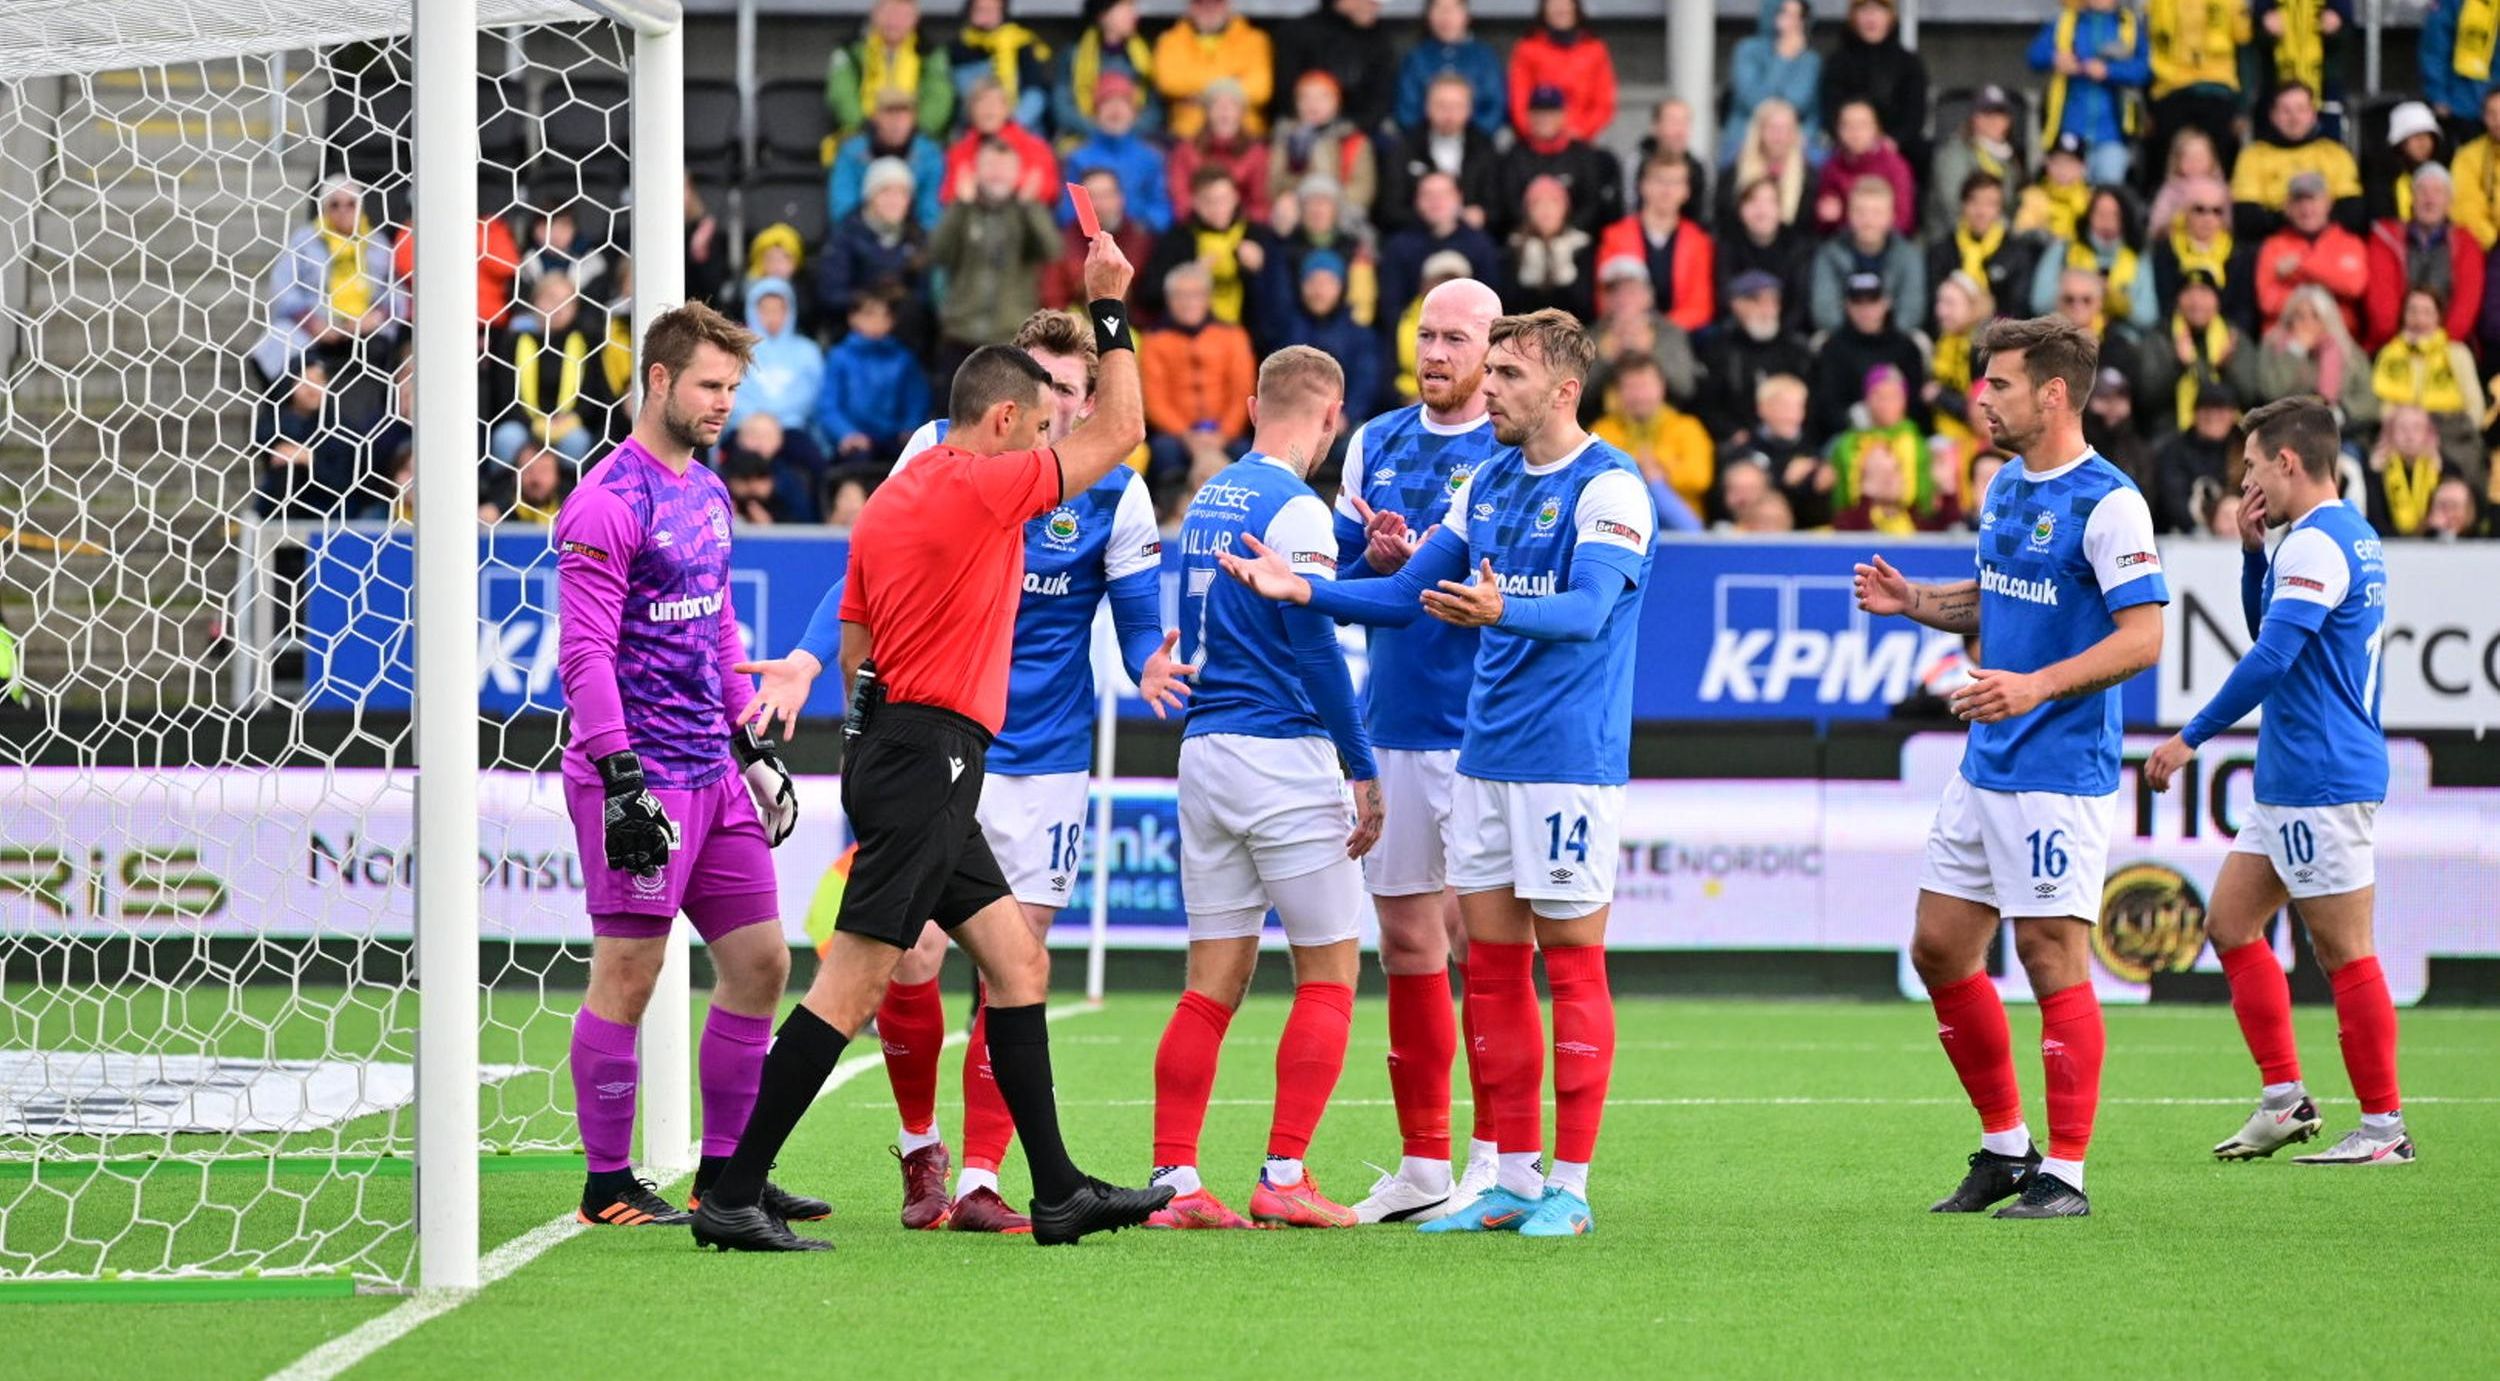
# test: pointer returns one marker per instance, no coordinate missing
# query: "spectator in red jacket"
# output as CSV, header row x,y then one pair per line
x,y
1863,150
2311,248
1227,143
2429,250
1561,52
1674,248
1037,168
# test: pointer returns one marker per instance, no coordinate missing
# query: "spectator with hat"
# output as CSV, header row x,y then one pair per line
x,y
990,44
1109,43
2197,458
1446,266
1980,242
785,375
1755,344
889,56
1223,142
1037,168
1449,49
2423,249
1860,149
879,245
1345,39
1552,262
2198,348
1115,147
2109,425
1871,64
2477,174
1984,144
2262,176
2415,140
1882,430
2195,51
1315,217
1671,246
891,132
1629,323
2097,58
1560,53
1439,226
1869,334
2054,205
1753,239
1442,140
1549,148
1320,139
1868,244
2310,248
1320,319
1885,498
1209,44
1774,63
2455,52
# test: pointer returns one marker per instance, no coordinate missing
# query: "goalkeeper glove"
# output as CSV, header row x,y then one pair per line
x,y
776,796
640,836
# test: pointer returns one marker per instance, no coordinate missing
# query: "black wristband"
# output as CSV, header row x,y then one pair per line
x,y
1110,316
620,774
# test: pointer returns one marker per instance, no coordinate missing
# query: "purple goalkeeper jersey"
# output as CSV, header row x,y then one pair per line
x,y
646,633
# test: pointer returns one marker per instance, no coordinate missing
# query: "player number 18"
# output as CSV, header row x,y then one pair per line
x,y
1577,840
2048,857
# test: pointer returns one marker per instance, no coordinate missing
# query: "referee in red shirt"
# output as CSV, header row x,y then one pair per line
x,y
937,567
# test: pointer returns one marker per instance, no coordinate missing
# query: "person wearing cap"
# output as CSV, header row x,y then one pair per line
x,y
1110,42
1871,64
2415,140
2456,55
1439,225
879,245
2304,41
1868,335
2262,176
1561,53
1207,44
1753,239
1447,49
1552,262
989,43
1117,148
1861,149
1320,319
1980,242
988,109
1444,139
892,132
1629,323
1670,245
889,56
2052,206
1549,148
1868,244
1984,144
2195,47
2476,170
1319,139
1346,40
2195,459
1774,63
2198,347
2310,248
1754,345
2425,248
1223,142
1881,423
2097,57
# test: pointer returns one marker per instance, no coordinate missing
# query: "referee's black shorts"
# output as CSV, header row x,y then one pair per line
x,y
910,783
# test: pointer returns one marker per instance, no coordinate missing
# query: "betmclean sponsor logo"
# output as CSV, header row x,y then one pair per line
x,y
1608,527
1036,583
1316,558
1218,494
2138,558
585,549
679,610
1531,585
2302,582
1997,582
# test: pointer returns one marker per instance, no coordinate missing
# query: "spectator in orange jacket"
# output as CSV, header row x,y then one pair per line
x,y
2311,248
2427,249
498,263
1679,254
1198,374
1562,52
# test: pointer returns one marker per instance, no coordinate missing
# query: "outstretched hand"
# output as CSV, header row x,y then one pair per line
x,y
1880,588
1163,686
781,694
1266,571
1476,604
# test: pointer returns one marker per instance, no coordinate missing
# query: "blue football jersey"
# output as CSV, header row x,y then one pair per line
x,y
1072,554
2320,743
2059,555
1540,710
1400,462
1248,681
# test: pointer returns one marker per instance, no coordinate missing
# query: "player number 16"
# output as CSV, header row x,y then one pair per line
x,y
2048,856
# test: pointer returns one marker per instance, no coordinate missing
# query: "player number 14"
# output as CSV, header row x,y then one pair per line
x,y
1577,841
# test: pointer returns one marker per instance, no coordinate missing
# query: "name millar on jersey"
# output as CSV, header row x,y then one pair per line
x,y
678,610
1996,582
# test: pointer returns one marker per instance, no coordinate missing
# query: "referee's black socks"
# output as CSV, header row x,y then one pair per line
x,y
1020,1061
803,1054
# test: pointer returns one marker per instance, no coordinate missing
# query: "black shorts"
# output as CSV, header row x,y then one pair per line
x,y
910,783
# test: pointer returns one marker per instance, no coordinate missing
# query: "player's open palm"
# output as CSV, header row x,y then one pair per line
x,y
1881,589
1163,686
1368,813
1266,571
781,692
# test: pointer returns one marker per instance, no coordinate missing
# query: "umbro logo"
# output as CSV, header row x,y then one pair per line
x,y
1560,875
1581,1048
955,769
620,1088
664,538
2051,1045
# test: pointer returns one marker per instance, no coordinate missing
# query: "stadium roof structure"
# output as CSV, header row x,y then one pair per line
x,y
53,37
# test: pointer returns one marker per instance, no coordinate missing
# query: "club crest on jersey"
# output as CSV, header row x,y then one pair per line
x,y
720,522
2043,530
1458,480
1548,513
1059,529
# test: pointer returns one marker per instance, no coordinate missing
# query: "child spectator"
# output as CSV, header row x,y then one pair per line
x,y
1319,139
1774,63
1198,375
1561,53
786,373
1037,168
1316,218
889,56
890,133
1225,143
874,392
1110,44
1778,437
1883,496
1886,427
1208,44
1322,322
990,44
1115,147
2192,160
1862,150
1449,49
2098,58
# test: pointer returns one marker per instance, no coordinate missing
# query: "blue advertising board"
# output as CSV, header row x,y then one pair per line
x,y
1732,628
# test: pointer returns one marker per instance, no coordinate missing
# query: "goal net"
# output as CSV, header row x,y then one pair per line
x,y
209,1034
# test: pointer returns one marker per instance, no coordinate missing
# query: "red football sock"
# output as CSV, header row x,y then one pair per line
x,y
1502,980
911,1025
1970,1021
988,1126
1423,1036
1185,1075
2071,1045
1584,1046
2261,997
1309,1058
1482,1127
2365,1024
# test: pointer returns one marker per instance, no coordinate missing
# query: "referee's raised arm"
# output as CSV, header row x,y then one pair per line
x,y
1118,426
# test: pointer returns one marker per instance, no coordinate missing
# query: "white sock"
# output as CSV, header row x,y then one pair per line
x,y
2282,1093
2013,1141
967,1180
1182,1178
1430,1176
912,1141
1282,1172
1520,1174
1483,1152
2383,1121
2071,1171
1570,1175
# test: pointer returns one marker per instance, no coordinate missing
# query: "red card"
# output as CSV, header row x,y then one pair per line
x,y
1083,201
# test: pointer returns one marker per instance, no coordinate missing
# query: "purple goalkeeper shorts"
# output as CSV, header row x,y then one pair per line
x,y
720,874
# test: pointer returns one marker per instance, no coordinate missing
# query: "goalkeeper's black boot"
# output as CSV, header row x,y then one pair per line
x,y
618,1200
2047,1196
1095,1207
1992,1177
749,1229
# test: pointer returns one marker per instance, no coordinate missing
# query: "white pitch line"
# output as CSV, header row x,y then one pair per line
x,y
2240,1101
373,1335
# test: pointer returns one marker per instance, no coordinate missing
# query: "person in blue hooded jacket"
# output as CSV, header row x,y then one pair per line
x,y
1449,46
874,393
2456,57
2099,57
786,374
1775,63
1117,148
1320,320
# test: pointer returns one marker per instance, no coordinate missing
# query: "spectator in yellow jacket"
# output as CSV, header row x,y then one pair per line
x,y
1212,42
2476,169
2261,178
1671,448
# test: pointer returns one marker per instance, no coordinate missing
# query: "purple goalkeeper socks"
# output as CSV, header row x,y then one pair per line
x,y
606,1078
732,1063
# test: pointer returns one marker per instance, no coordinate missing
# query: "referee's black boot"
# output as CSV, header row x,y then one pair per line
x,y
1992,1177
749,1229
1095,1207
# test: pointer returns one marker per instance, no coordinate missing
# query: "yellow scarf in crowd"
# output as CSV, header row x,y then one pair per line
x,y
1220,251
542,420
1085,66
2211,343
2200,42
2418,373
2409,483
1977,253
2476,23
1003,44
2118,294
2300,52
881,67
351,289
2057,211
1951,368
2065,43
2214,258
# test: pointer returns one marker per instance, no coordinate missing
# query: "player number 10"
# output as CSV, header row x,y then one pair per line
x,y
1577,841
2299,845
2048,857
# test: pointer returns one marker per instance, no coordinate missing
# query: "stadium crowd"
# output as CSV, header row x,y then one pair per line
x,y
1786,331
